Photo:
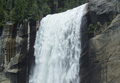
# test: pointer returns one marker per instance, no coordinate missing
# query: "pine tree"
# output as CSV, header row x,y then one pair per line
x,y
18,13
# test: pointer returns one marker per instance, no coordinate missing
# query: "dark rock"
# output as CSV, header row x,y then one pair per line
x,y
84,30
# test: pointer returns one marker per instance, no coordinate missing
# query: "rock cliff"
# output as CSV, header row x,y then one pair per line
x,y
16,51
100,58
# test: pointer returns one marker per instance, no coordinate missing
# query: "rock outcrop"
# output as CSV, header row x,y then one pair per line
x,y
103,10
100,58
16,51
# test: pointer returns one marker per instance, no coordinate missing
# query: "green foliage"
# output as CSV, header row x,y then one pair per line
x,y
2,16
108,23
18,13
19,10
34,12
91,28
45,9
68,4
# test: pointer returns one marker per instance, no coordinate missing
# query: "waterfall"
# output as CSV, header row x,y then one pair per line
x,y
58,47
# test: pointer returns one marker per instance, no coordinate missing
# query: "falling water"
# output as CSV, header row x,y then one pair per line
x,y
58,48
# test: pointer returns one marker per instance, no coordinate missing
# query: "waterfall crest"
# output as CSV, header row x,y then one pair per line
x,y
58,47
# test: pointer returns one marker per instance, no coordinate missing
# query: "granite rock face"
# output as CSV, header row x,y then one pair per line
x,y
100,58
105,53
103,10
16,51
104,6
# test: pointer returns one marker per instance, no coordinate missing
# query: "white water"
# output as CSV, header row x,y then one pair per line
x,y
58,48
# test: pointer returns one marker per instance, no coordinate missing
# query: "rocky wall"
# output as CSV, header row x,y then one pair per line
x,y
100,62
16,56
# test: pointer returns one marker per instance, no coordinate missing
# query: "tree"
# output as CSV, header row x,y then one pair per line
x,y
34,12
18,10
2,16
18,13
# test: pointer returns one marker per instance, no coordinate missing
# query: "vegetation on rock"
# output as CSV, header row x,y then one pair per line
x,y
91,28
